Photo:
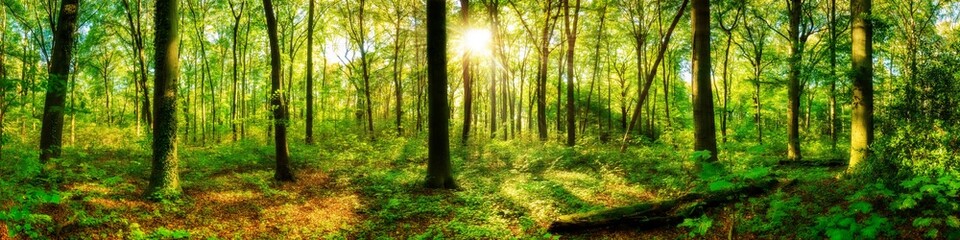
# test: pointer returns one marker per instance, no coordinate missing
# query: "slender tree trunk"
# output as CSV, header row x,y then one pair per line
x,y
397,70
234,94
467,82
51,133
164,174
309,122
705,133
834,122
596,70
861,118
283,172
571,31
439,172
653,72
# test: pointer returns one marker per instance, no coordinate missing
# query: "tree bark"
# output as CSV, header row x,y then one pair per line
x,y
398,46
467,82
51,131
834,122
705,129
861,118
570,28
793,84
309,120
283,172
164,174
439,172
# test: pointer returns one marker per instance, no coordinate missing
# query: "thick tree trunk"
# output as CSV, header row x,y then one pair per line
x,y
861,118
705,129
51,132
439,172
793,83
283,172
164,174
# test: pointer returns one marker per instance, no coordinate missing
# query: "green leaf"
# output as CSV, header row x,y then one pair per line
x,y
757,173
710,170
862,207
953,222
922,222
906,203
720,185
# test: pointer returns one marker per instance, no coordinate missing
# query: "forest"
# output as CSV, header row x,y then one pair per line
x,y
479,119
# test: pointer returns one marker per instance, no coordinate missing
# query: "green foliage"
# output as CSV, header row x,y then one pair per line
x,y
698,226
23,219
936,200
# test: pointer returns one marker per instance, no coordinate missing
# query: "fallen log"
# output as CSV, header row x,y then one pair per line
x,y
656,214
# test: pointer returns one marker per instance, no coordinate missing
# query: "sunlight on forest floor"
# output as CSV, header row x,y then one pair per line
x,y
348,188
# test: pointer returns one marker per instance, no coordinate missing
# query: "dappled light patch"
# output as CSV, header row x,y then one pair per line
x,y
229,197
90,189
314,216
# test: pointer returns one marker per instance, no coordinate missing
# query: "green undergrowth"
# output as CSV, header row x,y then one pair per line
x,y
350,186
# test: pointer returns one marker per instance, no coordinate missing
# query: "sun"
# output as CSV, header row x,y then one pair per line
x,y
477,41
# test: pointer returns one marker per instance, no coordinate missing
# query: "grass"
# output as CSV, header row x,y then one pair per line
x,y
348,188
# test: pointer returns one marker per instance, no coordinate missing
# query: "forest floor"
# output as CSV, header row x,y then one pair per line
x,y
349,188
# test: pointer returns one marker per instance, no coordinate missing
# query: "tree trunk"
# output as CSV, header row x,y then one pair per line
x,y
164,174
793,84
439,172
309,120
467,82
138,47
51,132
283,172
233,102
861,118
653,72
571,30
397,70
834,122
705,130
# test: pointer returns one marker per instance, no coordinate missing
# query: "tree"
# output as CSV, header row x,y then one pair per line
x,y
754,37
861,117
650,75
797,39
310,20
704,127
51,132
283,172
542,45
439,173
467,81
728,33
135,29
164,175
237,14
570,28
